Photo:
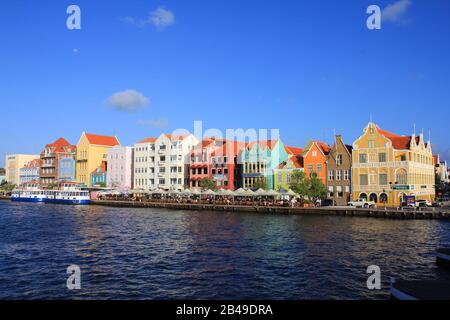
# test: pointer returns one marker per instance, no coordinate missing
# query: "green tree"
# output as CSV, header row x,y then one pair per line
x,y
208,184
7,187
299,183
261,184
316,188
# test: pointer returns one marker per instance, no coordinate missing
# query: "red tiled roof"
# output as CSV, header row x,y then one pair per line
x,y
398,142
102,140
263,144
294,150
325,147
176,137
297,162
148,140
61,145
36,163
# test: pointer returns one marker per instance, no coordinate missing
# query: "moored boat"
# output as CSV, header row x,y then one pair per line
x,y
28,192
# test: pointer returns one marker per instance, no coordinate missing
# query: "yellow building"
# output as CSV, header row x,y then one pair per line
x,y
387,167
92,149
14,162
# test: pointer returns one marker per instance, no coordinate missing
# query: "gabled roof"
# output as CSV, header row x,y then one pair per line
x,y
177,137
297,162
102,140
398,142
229,148
294,150
148,140
263,144
322,146
60,145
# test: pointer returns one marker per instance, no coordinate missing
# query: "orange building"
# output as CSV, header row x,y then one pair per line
x,y
315,160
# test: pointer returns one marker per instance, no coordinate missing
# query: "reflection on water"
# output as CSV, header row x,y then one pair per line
x,y
162,254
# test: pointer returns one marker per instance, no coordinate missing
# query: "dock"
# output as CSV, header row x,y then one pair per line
x,y
437,213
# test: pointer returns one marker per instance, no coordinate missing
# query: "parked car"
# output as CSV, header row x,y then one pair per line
x,y
362,203
328,203
423,204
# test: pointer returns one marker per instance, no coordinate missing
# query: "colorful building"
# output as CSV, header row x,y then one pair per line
x,y
216,159
92,151
339,172
2,175
14,162
258,160
30,172
387,167
163,162
120,168
66,169
315,160
50,159
284,172
99,176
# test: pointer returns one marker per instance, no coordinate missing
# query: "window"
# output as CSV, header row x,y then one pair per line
x,y
340,194
330,175
371,143
330,191
280,177
382,157
363,158
314,153
363,179
383,179
339,159
310,168
319,168
346,175
402,177
403,157
338,175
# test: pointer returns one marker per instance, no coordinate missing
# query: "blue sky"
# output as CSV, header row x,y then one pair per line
x,y
305,67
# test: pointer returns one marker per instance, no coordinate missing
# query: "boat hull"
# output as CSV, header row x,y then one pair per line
x,y
68,201
20,199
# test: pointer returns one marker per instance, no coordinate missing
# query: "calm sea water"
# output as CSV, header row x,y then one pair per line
x,y
163,254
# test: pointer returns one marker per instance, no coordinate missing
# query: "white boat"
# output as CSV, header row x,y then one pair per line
x,y
67,193
29,192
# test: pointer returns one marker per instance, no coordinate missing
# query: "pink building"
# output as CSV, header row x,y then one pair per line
x,y
120,168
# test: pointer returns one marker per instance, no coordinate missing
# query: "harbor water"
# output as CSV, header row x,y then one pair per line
x,y
151,253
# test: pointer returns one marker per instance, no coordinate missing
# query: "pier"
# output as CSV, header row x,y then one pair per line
x,y
433,213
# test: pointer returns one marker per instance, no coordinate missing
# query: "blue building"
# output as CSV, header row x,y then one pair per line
x,y
98,176
66,170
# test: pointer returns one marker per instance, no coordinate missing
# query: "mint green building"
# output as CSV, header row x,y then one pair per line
x,y
259,159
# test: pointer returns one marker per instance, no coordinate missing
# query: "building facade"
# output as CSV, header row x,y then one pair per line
x,y
284,172
2,175
30,172
216,159
441,170
13,163
120,168
387,167
66,169
163,162
92,150
315,160
50,160
339,172
258,160
99,176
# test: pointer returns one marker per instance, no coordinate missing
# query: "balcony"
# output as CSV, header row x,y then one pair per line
x,y
253,175
161,163
47,165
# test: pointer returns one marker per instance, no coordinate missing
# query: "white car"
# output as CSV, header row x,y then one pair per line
x,y
362,203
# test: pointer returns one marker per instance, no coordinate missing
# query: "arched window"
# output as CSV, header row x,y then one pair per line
x,y
374,197
402,176
363,196
383,198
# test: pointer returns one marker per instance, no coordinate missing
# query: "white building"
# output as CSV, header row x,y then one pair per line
x,y
163,162
14,162
120,167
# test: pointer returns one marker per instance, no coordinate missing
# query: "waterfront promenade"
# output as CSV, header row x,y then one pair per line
x,y
389,213
392,213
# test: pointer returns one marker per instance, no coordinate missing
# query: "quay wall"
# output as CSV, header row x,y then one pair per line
x,y
433,213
